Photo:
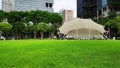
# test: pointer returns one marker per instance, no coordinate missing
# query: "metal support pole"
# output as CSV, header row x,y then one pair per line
x,y
97,14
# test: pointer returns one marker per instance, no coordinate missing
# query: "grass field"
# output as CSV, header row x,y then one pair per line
x,y
59,54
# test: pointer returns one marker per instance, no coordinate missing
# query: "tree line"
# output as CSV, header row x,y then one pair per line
x,y
29,24
111,23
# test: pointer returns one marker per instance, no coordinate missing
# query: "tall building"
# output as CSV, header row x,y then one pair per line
x,y
27,5
114,5
91,8
102,8
67,15
7,5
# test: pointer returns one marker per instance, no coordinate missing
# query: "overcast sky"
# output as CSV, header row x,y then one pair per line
x,y
0,4
65,4
62,4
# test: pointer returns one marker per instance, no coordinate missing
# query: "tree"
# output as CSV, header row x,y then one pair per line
x,y
114,25
56,20
17,18
102,20
5,28
19,28
41,16
112,14
2,15
42,27
29,30
36,17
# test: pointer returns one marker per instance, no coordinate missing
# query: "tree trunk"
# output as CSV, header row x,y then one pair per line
x,y
49,35
52,34
20,36
26,36
17,35
42,34
35,33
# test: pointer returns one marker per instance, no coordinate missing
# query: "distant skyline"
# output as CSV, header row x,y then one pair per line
x,y
60,4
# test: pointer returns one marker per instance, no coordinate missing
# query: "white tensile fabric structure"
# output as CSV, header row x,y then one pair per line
x,y
82,29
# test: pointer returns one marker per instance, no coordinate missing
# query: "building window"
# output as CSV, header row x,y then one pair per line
x,y
50,5
47,4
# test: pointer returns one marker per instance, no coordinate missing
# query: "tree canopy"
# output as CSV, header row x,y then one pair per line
x,y
113,23
42,27
20,21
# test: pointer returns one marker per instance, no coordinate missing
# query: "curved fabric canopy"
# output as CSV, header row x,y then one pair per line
x,y
81,27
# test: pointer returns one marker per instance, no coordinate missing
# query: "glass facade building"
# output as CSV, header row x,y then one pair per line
x,y
28,5
114,5
91,8
101,4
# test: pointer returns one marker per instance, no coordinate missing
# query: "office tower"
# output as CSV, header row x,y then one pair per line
x,y
7,5
102,8
114,5
67,15
91,8
27,5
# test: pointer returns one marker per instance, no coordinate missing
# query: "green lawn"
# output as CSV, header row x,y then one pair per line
x,y
59,54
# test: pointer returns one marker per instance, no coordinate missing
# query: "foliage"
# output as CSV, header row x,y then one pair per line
x,y
113,22
43,16
112,14
42,27
56,21
102,21
19,28
4,26
114,25
6,29
17,18
2,15
29,30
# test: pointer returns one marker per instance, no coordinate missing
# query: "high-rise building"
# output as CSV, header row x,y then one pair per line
x,y
91,8
102,8
67,15
7,5
27,5
114,5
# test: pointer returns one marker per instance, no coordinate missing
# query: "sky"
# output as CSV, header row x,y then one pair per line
x,y
0,4
65,4
61,4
